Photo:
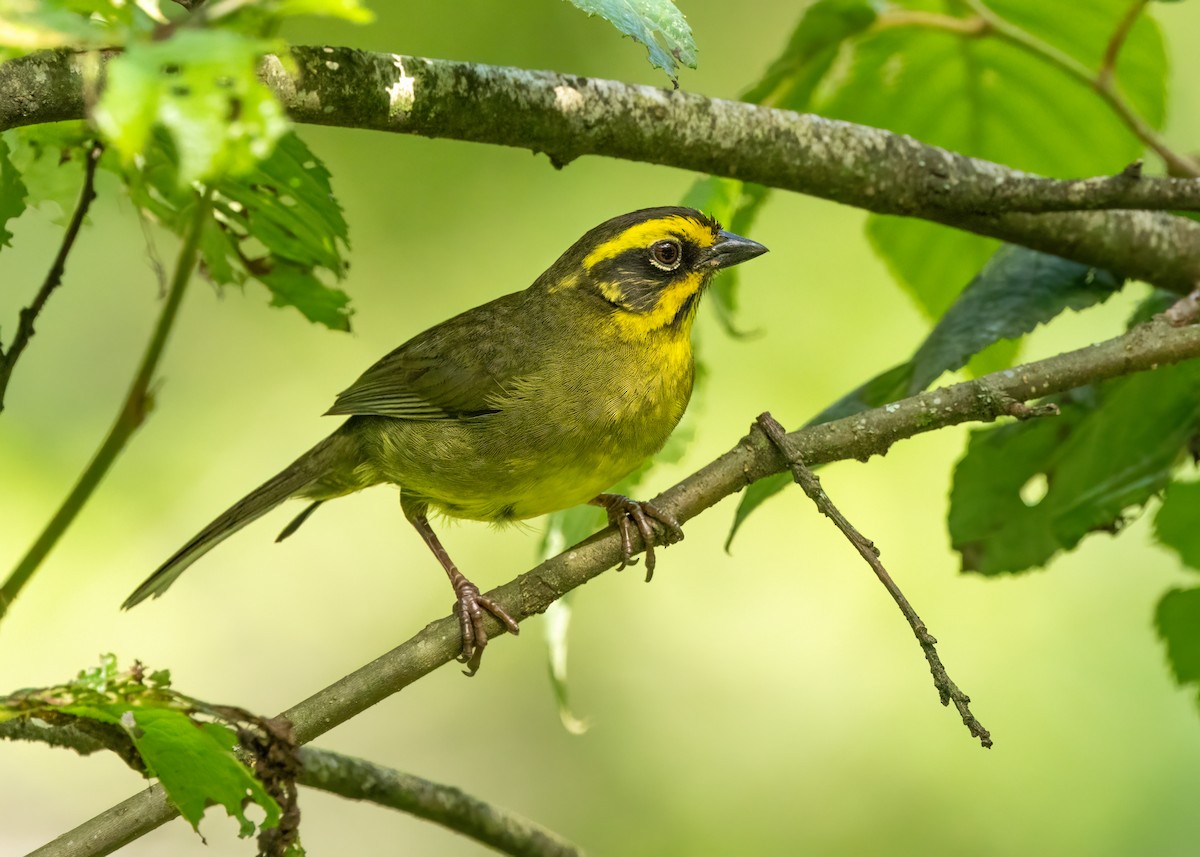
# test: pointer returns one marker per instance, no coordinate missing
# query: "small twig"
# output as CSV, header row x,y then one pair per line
x,y
1109,64
53,280
133,412
947,690
1104,86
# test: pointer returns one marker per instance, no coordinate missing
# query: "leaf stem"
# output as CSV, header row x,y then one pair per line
x,y
1102,82
133,412
53,280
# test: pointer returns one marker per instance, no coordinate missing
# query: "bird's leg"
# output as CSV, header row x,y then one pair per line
x,y
626,514
471,603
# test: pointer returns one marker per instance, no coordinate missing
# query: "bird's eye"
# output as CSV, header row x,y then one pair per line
x,y
666,255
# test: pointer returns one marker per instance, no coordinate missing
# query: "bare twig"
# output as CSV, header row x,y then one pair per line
x,y
566,116
133,411
1156,343
948,691
28,315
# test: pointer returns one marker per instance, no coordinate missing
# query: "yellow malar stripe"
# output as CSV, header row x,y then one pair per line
x,y
645,234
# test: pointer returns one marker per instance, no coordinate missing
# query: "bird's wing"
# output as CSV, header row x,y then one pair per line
x,y
455,370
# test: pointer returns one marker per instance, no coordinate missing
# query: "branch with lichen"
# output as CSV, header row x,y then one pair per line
x,y
566,117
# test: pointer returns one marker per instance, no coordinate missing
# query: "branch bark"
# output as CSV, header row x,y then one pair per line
x,y
1156,343
566,117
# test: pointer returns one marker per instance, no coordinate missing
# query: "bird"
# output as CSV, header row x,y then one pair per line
x,y
534,402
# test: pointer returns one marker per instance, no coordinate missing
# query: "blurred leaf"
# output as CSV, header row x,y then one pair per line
x,y
1177,619
824,25
12,194
280,224
649,22
1017,290
735,204
33,25
990,99
201,86
50,159
1110,450
1177,524
257,17
194,760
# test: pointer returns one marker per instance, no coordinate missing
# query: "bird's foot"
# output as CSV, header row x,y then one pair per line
x,y
627,515
470,609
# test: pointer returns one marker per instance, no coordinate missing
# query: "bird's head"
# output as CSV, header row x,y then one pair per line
x,y
648,268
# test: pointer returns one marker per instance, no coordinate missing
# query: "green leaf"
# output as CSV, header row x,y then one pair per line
x,y
1111,449
1017,290
259,16
735,204
50,159
1176,524
279,224
990,99
810,53
12,194
649,22
199,85
1177,619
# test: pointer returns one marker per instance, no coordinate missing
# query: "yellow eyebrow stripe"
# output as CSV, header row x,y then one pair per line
x,y
645,234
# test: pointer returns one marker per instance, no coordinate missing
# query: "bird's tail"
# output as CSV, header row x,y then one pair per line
x,y
304,471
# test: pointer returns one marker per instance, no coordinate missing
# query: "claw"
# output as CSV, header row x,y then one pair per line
x,y
627,515
470,609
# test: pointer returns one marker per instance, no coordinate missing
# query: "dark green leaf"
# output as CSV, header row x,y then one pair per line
x,y
1177,524
1177,619
50,159
649,22
201,87
988,98
292,285
1110,450
12,194
1017,290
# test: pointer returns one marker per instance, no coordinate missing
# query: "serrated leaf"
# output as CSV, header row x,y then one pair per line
x,y
12,194
650,22
1110,450
50,159
990,99
1176,524
279,224
201,87
1177,619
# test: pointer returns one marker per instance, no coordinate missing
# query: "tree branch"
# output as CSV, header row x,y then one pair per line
x,y
1156,343
567,116
947,690
28,315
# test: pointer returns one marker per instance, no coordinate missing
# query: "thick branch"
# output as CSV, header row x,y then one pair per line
x,y
567,116
1157,343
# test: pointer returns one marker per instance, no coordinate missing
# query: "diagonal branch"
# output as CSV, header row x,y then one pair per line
x,y
1156,343
947,690
567,116
28,315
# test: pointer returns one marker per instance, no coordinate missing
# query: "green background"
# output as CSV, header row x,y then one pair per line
x,y
768,702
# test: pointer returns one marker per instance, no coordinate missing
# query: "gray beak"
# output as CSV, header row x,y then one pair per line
x,y
731,250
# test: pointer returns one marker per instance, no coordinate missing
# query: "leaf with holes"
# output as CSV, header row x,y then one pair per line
x,y
650,22
200,86
1111,449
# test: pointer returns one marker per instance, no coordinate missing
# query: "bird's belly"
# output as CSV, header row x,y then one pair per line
x,y
531,460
